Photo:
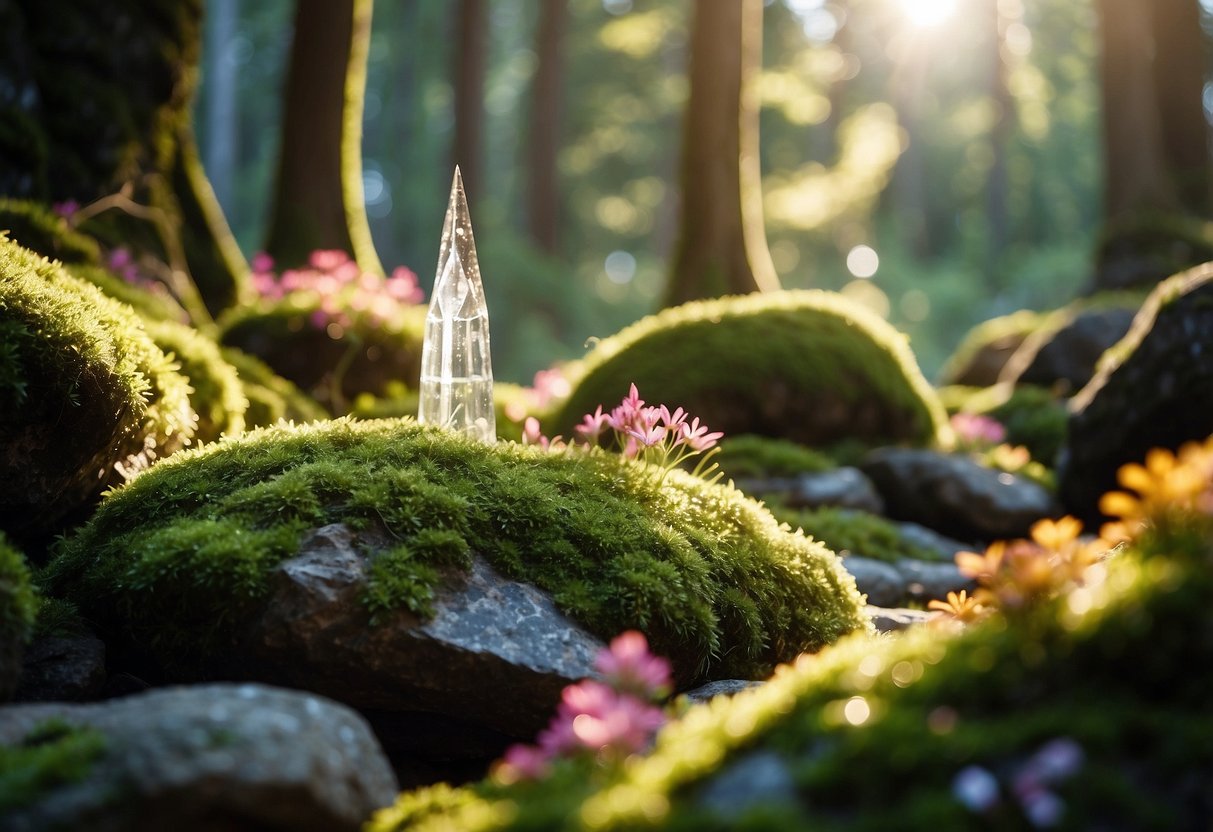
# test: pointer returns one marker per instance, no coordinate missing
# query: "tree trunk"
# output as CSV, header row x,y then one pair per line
x,y
547,106
722,245
1180,58
318,201
471,61
1135,170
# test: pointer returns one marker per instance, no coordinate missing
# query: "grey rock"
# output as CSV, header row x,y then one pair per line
x,y
880,581
496,652
924,580
722,687
63,669
955,495
927,539
755,780
1154,390
841,487
211,758
887,620
1064,358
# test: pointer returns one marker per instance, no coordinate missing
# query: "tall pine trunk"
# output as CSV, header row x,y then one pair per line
x,y
543,147
722,245
471,62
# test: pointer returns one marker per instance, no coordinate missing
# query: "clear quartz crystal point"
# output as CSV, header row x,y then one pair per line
x,y
456,370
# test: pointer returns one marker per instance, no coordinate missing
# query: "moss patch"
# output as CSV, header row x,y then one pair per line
x,y
82,389
808,366
218,396
748,456
510,401
177,559
53,754
854,532
270,396
18,602
873,732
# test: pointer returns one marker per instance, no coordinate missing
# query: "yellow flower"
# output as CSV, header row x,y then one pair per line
x,y
961,607
981,568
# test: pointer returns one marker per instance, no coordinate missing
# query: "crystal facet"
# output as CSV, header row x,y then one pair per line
x,y
456,370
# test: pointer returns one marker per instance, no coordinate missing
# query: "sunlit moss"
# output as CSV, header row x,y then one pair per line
x,y
808,366
178,559
218,396
854,532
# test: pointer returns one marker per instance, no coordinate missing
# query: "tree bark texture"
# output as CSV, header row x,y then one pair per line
x,y
318,202
1180,59
547,108
722,245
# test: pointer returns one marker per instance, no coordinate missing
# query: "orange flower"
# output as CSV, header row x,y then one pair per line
x,y
961,607
981,568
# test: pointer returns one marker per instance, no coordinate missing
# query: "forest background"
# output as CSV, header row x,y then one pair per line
x,y
938,160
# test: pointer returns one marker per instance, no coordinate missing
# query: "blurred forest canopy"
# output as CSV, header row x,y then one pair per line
x,y
939,160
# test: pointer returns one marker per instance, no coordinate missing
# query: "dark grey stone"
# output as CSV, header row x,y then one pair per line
x,y
955,495
1155,391
758,779
927,539
1064,358
722,687
887,620
924,580
878,580
495,653
63,669
208,759
841,487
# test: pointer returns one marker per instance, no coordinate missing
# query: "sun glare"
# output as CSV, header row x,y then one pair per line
x,y
928,13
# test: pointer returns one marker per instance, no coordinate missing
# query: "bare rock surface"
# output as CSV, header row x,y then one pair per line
x,y
721,687
210,758
956,496
496,653
877,579
892,620
844,487
62,669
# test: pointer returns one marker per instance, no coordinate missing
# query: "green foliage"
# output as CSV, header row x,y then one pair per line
x,y
333,365
218,396
873,732
808,366
270,396
747,456
57,617
18,601
854,532
82,389
39,229
53,754
175,560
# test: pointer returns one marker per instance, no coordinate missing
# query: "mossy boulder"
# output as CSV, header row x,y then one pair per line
x,y
807,366
216,393
177,562
84,394
1100,701
40,229
984,351
1154,389
270,396
748,456
855,532
328,362
18,607
1143,250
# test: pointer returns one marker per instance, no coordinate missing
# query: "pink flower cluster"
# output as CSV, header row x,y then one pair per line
x,y
341,291
1057,760
977,432
121,262
653,434
606,720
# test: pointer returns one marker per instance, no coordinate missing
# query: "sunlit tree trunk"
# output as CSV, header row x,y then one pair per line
x,y
471,61
543,146
318,202
1180,59
722,246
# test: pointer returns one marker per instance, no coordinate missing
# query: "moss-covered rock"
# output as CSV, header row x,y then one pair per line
x,y
18,607
328,362
53,754
84,394
808,366
984,351
217,396
511,406
1143,250
177,560
1099,701
854,532
747,456
270,396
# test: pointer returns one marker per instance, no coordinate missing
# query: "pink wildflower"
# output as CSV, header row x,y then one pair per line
x,y
66,208
592,425
976,429
262,263
628,666
696,436
623,415
326,260
593,717
524,762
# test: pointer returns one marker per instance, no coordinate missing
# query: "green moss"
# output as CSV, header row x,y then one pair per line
x,y
872,732
177,559
510,401
152,303
747,456
53,754
332,365
82,389
270,396
854,532
217,395
18,601
808,366
57,617
39,229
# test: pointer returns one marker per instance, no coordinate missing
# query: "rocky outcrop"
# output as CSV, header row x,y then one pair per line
x,y
205,759
1065,358
62,669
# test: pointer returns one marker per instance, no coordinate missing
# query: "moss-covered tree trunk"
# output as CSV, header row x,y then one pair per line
x,y
722,246
543,146
318,201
